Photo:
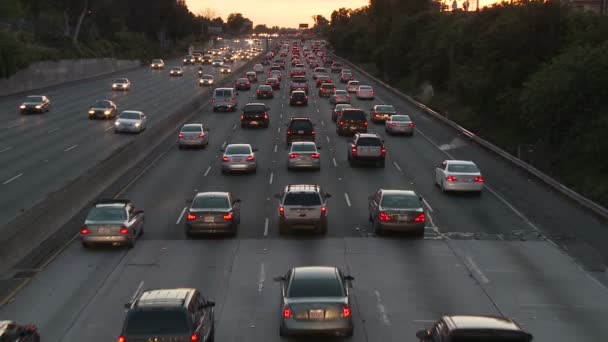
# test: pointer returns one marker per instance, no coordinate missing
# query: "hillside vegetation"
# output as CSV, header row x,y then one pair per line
x,y
530,77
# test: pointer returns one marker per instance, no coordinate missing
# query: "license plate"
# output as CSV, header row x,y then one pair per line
x,y
254,122
299,102
209,219
300,132
316,314
103,230
353,127
403,218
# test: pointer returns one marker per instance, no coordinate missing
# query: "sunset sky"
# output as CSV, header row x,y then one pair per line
x,y
285,13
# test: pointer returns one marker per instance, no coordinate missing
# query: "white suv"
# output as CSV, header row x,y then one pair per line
x,y
303,207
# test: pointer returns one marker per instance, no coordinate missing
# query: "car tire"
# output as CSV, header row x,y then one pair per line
x,y
214,109
323,228
189,234
131,243
85,245
442,187
242,125
376,228
283,332
180,147
382,163
283,229
211,334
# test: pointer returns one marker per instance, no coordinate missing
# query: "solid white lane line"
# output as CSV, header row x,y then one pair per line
x,y
322,122
179,219
261,278
14,125
266,227
477,270
427,205
109,128
6,149
271,177
70,148
275,148
53,130
326,137
318,111
347,199
424,320
224,144
278,129
382,309
207,172
397,166
335,163
234,127
282,104
12,179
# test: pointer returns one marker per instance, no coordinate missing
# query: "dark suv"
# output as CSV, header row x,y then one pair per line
x,y
298,98
255,114
352,121
299,83
300,129
474,328
163,315
367,147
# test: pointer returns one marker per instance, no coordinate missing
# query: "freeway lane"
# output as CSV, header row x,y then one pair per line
x,y
41,153
401,284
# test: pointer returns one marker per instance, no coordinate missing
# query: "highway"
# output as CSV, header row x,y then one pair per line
x,y
519,250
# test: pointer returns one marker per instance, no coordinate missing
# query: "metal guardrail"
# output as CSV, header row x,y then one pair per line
x,y
580,199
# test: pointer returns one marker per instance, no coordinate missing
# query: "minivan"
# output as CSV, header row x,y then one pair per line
x,y
224,99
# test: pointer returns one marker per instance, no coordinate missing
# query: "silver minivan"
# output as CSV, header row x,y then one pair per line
x,y
224,99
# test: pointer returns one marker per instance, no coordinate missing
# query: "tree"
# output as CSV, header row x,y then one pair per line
x,y
321,24
261,29
236,24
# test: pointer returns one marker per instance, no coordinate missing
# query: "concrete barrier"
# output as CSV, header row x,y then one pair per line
x,y
552,182
40,222
49,73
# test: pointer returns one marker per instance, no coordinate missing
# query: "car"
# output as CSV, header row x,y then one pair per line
x,y
224,99
10,331
298,83
274,83
258,68
339,96
381,113
275,74
217,62
255,115
399,124
169,314
323,79
295,61
239,157
302,207
336,67
225,69
346,77
345,71
130,121
35,104
252,76
112,221
300,129
474,328
197,56
121,84
459,175
188,59
326,89
397,211
365,92
264,92
103,109
304,154
213,212
206,80
298,98
367,147
242,84
157,64
176,71
297,72
315,300
206,59
194,134
337,111
352,121
318,71
352,86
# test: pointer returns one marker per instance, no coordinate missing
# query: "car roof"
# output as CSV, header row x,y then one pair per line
x,y
315,272
193,124
212,194
300,118
461,162
302,188
238,145
398,192
368,135
481,322
224,88
165,297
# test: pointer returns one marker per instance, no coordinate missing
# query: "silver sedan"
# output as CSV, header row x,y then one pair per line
x,y
213,212
459,175
130,121
304,154
239,157
193,135
206,80
340,96
399,124
397,210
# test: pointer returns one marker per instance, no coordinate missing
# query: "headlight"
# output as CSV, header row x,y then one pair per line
x,y
91,111
38,106
114,85
116,123
22,106
185,60
152,65
107,112
137,124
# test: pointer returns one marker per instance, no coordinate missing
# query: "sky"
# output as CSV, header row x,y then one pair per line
x,y
286,13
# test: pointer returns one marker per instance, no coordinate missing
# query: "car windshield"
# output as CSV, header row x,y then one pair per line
x,y
101,104
156,61
107,213
303,148
207,77
157,322
315,287
302,198
192,128
400,201
385,109
176,69
401,118
129,115
465,168
240,149
211,202
121,80
33,99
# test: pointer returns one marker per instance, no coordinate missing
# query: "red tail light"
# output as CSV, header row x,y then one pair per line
x,y
124,230
212,100
84,230
384,217
293,155
411,124
341,123
383,151
288,132
420,218
345,311
450,178
202,135
259,93
234,100
354,151
393,124
228,217
478,179
365,123
313,132
242,116
122,339
265,115
323,210
315,155
194,338
191,217
281,211
224,158
250,158
181,136
287,312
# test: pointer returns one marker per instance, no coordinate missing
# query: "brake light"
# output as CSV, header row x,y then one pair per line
x,y
250,158
84,230
315,156
450,178
181,136
124,230
265,115
194,338
228,217
242,116
323,210
478,179
259,93
345,311
341,123
393,124
365,123
411,124
293,155
313,132
191,217
234,100
281,211
354,151
384,217
212,100
420,218
122,339
287,312
288,132
224,158
383,151
202,135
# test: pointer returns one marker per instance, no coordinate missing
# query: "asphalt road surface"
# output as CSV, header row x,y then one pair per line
x,y
500,253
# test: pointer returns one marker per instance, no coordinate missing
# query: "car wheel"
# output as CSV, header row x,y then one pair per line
x,y
188,234
212,334
180,147
412,134
214,109
131,243
323,228
242,125
443,189
382,163
282,228
85,245
141,231
282,332
376,228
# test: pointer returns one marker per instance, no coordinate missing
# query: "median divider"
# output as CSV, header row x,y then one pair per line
x,y
42,221
550,181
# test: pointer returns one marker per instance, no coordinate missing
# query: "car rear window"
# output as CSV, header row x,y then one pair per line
x,y
303,148
358,115
223,92
352,83
469,168
327,86
211,202
192,128
385,109
300,125
400,201
299,80
298,95
243,149
401,118
254,108
302,198
157,322
242,80
315,287
107,214
341,92
272,79
369,142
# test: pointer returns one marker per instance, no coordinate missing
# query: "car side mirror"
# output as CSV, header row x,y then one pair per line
x,y
370,197
423,334
277,196
188,201
318,147
210,304
255,150
420,198
206,129
281,278
127,305
327,195
237,201
349,278
138,212
222,150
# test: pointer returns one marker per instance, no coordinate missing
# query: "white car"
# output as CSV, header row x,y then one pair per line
x,y
130,121
217,63
206,80
352,86
458,175
365,92
225,69
121,84
157,64
176,71
258,68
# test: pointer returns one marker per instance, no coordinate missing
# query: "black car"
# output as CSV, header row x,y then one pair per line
x,y
242,84
35,104
13,332
265,92
298,98
300,129
352,121
256,115
103,109
298,83
163,315
474,328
